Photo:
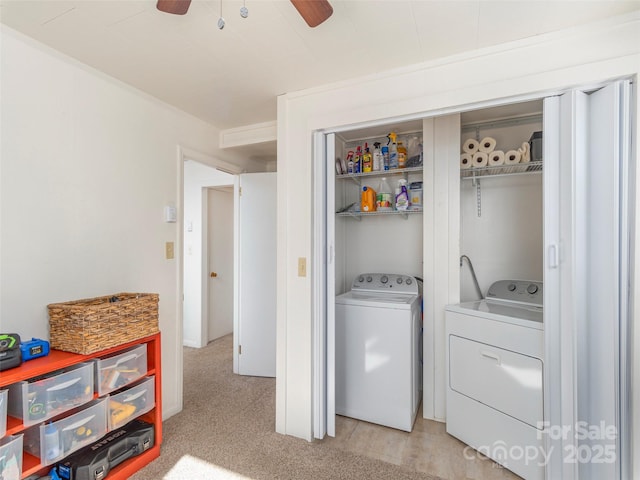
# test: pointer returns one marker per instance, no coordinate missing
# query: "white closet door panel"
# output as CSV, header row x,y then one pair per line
x,y
324,285
330,148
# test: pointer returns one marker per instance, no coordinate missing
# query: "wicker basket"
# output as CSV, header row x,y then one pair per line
x,y
94,324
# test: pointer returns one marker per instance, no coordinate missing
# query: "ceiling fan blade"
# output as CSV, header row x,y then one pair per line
x,y
177,7
314,12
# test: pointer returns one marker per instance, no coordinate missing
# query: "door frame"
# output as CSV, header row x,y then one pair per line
x,y
182,154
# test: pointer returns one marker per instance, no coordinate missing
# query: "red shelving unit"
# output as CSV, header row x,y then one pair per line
x,y
57,360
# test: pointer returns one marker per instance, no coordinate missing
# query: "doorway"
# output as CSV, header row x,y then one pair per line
x,y
220,241
198,226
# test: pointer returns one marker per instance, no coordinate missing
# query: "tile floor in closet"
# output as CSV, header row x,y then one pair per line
x,y
428,448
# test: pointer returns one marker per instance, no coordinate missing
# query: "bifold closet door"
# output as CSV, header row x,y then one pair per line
x,y
324,291
586,223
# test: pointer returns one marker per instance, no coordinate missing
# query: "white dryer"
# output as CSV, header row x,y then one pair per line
x,y
378,350
494,353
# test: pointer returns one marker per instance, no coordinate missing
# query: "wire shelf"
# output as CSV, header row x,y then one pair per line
x,y
501,170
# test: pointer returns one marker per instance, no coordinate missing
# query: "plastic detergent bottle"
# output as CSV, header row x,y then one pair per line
x,y
367,159
368,200
384,201
378,160
385,157
402,155
402,195
393,151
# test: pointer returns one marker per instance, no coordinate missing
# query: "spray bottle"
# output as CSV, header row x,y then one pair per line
x,y
393,151
402,195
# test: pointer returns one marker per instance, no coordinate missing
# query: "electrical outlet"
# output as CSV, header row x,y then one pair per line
x,y
302,267
168,248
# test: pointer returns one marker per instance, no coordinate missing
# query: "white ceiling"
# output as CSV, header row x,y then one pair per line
x,y
231,77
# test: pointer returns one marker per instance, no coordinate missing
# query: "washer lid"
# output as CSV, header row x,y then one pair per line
x,y
374,299
529,316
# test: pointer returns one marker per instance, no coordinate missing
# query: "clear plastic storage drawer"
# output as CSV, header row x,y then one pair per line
x,y
11,457
3,413
44,397
117,371
55,440
132,402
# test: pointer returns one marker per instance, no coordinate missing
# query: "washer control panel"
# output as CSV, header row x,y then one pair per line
x,y
386,282
521,291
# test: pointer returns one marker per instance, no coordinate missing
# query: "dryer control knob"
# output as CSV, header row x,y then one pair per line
x,y
399,281
408,282
384,279
361,278
532,288
511,287
369,279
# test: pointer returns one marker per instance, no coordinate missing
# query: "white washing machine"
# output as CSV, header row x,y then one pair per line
x,y
378,350
494,352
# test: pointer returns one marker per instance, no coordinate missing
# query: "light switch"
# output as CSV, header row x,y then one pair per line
x,y
168,247
302,267
170,214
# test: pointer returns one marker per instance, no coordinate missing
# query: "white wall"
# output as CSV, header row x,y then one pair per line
x,y
525,69
197,177
87,166
505,242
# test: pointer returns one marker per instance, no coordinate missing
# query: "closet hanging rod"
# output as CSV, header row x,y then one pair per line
x,y
505,122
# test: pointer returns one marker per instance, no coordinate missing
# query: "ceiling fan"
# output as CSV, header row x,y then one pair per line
x,y
314,12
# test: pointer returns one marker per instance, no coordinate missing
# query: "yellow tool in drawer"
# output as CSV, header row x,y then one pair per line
x,y
120,412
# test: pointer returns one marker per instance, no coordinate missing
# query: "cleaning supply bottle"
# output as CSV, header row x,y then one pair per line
x,y
402,195
367,159
368,200
357,161
378,160
393,151
385,157
351,168
384,200
402,155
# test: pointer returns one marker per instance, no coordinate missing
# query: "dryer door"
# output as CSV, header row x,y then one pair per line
x,y
507,381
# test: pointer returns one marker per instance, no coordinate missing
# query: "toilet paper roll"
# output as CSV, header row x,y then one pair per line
x,y
466,161
496,158
487,145
525,152
480,159
512,157
470,146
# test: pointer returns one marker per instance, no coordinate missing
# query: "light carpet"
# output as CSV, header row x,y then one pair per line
x,y
227,432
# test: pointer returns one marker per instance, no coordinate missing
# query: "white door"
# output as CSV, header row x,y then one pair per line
x,y
586,147
256,232
220,237
324,409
